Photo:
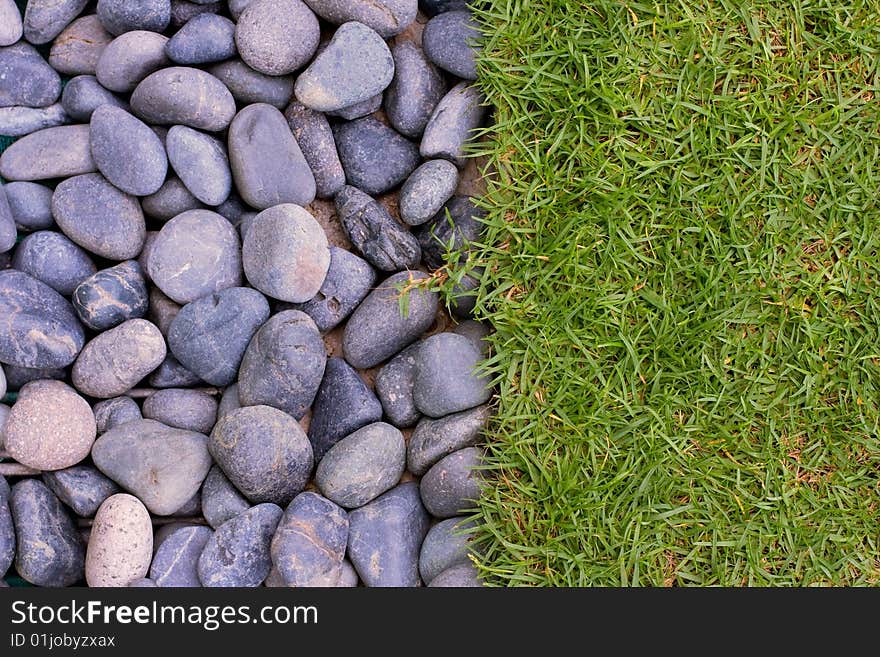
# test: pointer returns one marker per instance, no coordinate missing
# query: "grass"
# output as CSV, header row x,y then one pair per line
x,y
682,267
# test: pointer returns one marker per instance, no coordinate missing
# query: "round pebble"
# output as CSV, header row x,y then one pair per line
x,y
120,16
171,374
30,204
121,542
17,376
315,138
463,575
25,77
7,223
172,199
447,380
183,11
458,114
414,92
127,151
50,153
203,39
201,162
185,96
450,232
277,37
45,19
81,487
130,58
250,86
111,296
452,485
20,121
433,439
192,410
426,190
10,32
84,94
394,384
53,259
450,41
78,48
375,157
176,562
113,412
387,17
445,545
162,310
220,499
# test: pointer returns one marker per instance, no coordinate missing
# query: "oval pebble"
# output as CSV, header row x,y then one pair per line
x,y
53,259
458,114
111,296
203,39
315,138
84,94
10,32
130,58
359,110
20,121
249,86
78,48
56,152
171,374
220,499
120,16
183,11
445,545
452,485
17,376
201,162
45,19
426,190
447,380
463,575
192,410
277,37
375,157
121,542
394,384
387,17
8,234
113,412
433,439
31,205
127,151
7,528
81,487
25,78
172,199
176,562
450,232
451,42
185,96
414,92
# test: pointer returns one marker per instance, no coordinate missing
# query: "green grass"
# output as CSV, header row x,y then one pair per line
x,y
682,268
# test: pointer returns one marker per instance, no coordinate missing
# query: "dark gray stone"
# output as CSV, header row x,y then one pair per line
x,y
414,92
386,244
263,452
315,138
277,37
7,223
452,230
380,327
204,39
229,401
7,528
171,374
238,552
220,499
192,410
49,551
51,153
434,7
31,205
79,46
435,438
463,295
113,412
81,487
309,544
201,162
142,583
209,335
120,16
426,190
176,561
183,11
111,296
192,507
343,405
25,78
375,157
10,32
360,109
387,17
355,66
250,86
394,384
45,19
185,96
172,199
40,328
385,535
20,121
130,58
447,380
451,42
458,114
84,94
237,7
463,575
283,364
446,544
53,259
17,377
476,332
162,310
164,467
452,485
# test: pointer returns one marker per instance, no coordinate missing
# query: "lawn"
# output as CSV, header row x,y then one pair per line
x,y
682,267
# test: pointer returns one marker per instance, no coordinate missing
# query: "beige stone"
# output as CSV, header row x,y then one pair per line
x,y
121,543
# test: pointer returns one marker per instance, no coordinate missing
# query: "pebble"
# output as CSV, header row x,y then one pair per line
x,y
176,562
142,583
196,253
387,17
127,151
386,244
2,384
220,499
99,217
426,190
375,157
285,253
7,529
463,575
53,259
283,364
249,86
343,405
50,427
445,545
111,296
192,410
229,401
183,11
308,547
349,577
172,199
40,328
49,551
360,109
237,7
77,49
7,223
267,164
121,542
162,310
452,485
453,228
112,412
394,384
263,452
84,94
45,19
25,77
115,360
452,125
20,121
435,438
364,345
192,507
237,554
31,205
315,139
203,39
10,32
164,467
201,162
463,296
450,41
476,332
446,379
385,535
184,96
17,377
355,66
130,58
56,152
120,16
277,37
4,413
171,374
209,335
414,92
81,487
434,7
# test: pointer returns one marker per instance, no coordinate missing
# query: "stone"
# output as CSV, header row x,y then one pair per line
x,y
385,535
452,485
435,438
249,86
50,427
237,554
394,384
451,232
196,253
115,360
414,92
120,16
130,58
427,190
142,583
283,364
387,17
364,344
77,49
201,162
315,139
164,467
192,507
10,32
445,545
162,310
285,253
121,543
7,528
267,164
20,121
46,19
362,466
185,96
477,333
203,39
192,410
176,562
434,7
209,335
360,109
220,499
349,577
2,385
127,151
451,42
171,374
111,296
277,37
53,259
7,223
263,452
386,244
447,379
375,158
40,329
31,205
343,405
115,411
308,547
25,78
453,123
83,95
81,487
229,401
183,11
355,66
463,575
17,377
172,199
56,152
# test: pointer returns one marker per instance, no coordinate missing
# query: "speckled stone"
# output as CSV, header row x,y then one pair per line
x,y
185,96
84,94
454,227
355,66
7,529
220,499
476,332
176,561
127,151
452,125
171,374
162,310
451,42
20,121
115,360
78,48
53,259
435,438
10,32
229,401
375,157
45,19
115,411
130,58
201,162
120,16
164,467
2,386
81,487
394,383
426,190
183,11
238,552
452,485
414,92
315,138
446,379
360,109
25,77
250,86
204,39
120,544
51,153
463,575
17,377
30,204
172,199
445,545
283,364
111,296
192,410
277,37
387,17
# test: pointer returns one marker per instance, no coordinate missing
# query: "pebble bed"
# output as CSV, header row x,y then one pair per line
x,y
221,361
